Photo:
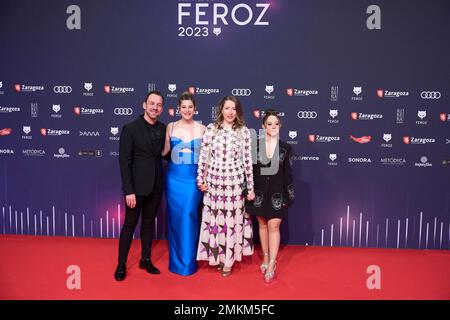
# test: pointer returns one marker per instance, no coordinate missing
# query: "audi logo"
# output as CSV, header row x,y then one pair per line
x,y
62,89
241,92
430,94
123,111
307,114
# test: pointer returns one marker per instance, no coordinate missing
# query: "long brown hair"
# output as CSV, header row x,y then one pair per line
x,y
239,121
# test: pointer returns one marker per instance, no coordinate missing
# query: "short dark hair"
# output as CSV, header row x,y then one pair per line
x,y
271,112
154,92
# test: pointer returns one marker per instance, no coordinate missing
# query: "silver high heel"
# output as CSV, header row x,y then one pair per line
x,y
270,275
263,267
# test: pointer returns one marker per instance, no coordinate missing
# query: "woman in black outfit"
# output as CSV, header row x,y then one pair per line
x,y
274,190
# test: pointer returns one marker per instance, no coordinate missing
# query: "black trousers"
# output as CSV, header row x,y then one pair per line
x,y
148,205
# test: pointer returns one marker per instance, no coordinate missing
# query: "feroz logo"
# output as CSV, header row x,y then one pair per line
x,y
240,14
56,108
421,114
387,137
333,156
269,89
333,113
114,130
26,129
357,90
292,134
172,87
88,86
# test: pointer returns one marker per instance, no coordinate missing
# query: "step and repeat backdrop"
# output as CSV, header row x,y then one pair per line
x,y
362,88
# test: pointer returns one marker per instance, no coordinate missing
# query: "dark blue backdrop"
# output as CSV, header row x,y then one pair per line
x,y
304,58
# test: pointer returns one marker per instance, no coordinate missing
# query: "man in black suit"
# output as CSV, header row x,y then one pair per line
x,y
140,160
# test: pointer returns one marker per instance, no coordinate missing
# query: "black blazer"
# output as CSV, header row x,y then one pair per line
x,y
140,157
282,181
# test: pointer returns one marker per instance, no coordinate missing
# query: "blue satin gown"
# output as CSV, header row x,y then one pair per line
x,y
183,199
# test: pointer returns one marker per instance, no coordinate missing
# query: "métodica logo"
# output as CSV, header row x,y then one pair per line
x,y
199,19
391,161
33,152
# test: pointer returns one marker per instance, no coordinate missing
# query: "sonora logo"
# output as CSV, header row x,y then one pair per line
x,y
123,111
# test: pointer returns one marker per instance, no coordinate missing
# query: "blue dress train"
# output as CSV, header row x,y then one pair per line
x,y
183,200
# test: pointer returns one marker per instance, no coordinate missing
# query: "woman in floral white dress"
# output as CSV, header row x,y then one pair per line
x,y
224,170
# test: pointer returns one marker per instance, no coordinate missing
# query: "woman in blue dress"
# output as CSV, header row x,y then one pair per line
x,y
183,140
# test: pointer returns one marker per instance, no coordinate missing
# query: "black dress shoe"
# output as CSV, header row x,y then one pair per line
x,y
148,265
121,272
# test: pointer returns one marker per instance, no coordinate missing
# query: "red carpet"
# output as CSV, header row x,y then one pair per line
x,y
35,268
